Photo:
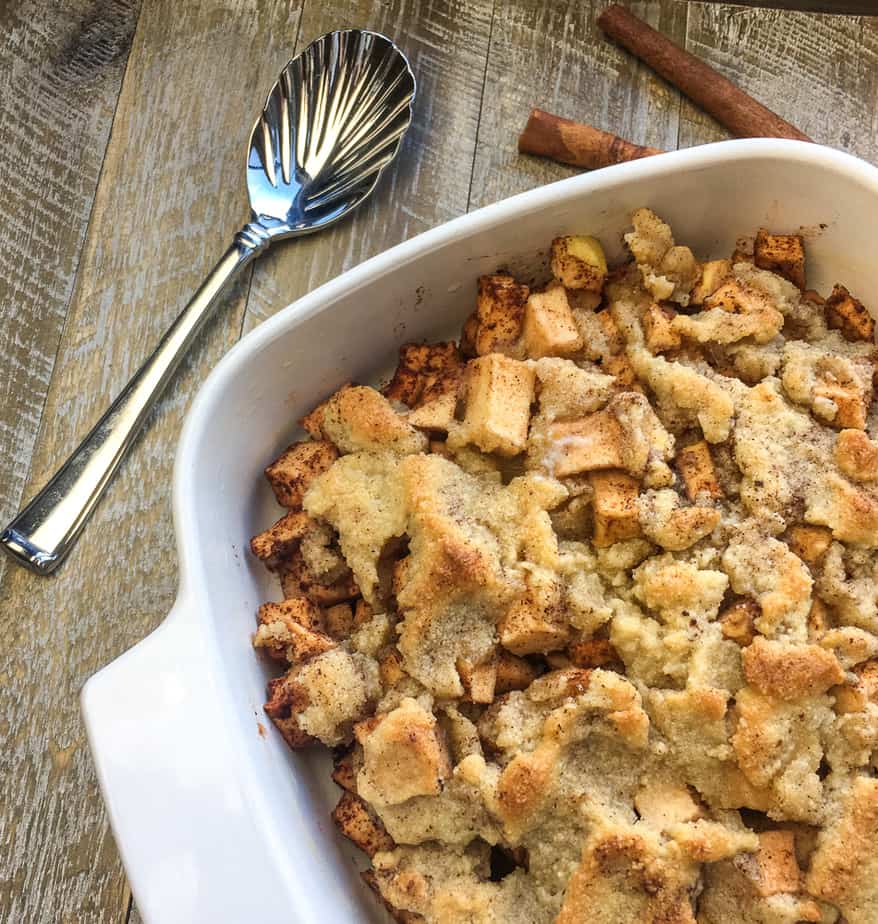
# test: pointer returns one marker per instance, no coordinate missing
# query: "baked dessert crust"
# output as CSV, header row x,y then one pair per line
x,y
588,602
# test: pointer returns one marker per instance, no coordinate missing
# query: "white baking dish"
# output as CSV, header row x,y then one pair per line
x,y
217,822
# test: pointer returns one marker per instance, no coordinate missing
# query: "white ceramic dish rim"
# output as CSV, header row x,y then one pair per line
x,y
274,891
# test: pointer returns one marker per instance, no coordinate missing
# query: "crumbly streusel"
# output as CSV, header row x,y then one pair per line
x,y
587,603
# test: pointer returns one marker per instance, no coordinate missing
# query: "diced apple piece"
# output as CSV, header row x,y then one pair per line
x,y
390,669
736,621
479,680
578,262
435,414
809,542
773,869
296,642
344,770
620,366
399,915
296,467
280,539
312,422
743,252
532,623
339,621
513,673
696,468
499,392
593,652
848,315
297,610
783,254
526,629
615,507
735,297
278,623
424,372
594,442
468,334
500,313
297,580
658,330
713,274
549,325
360,825
287,698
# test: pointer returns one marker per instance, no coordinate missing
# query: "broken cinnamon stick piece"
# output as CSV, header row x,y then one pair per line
x,y
742,115
576,143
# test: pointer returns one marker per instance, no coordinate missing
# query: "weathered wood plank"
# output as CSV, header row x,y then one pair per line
x,y
820,72
61,68
170,196
150,241
553,56
446,42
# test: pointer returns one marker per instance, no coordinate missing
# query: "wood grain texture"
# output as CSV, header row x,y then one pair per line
x,y
171,195
161,216
61,68
553,56
447,44
821,72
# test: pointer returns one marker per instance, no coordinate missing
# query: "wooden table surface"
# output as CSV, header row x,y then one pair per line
x,y
123,126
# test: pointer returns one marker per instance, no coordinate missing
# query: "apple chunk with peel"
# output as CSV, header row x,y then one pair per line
x,y
578,262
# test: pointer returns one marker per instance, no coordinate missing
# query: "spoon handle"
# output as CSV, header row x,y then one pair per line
x,y
44,532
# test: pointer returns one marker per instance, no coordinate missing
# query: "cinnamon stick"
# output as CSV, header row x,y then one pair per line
x,y
742,115
576,143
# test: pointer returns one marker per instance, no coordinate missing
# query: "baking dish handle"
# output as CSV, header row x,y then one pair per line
x,y
160,740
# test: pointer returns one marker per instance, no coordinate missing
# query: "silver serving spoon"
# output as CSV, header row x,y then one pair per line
x,y
332,122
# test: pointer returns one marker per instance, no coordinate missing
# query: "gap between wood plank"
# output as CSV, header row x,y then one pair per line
x,y
472,169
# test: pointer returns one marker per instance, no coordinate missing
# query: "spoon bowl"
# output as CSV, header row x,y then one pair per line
x,y
332,122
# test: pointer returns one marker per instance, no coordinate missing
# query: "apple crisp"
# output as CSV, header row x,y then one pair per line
x,y
586,603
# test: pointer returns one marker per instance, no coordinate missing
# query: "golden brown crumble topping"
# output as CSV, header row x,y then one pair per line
x,y
587,603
